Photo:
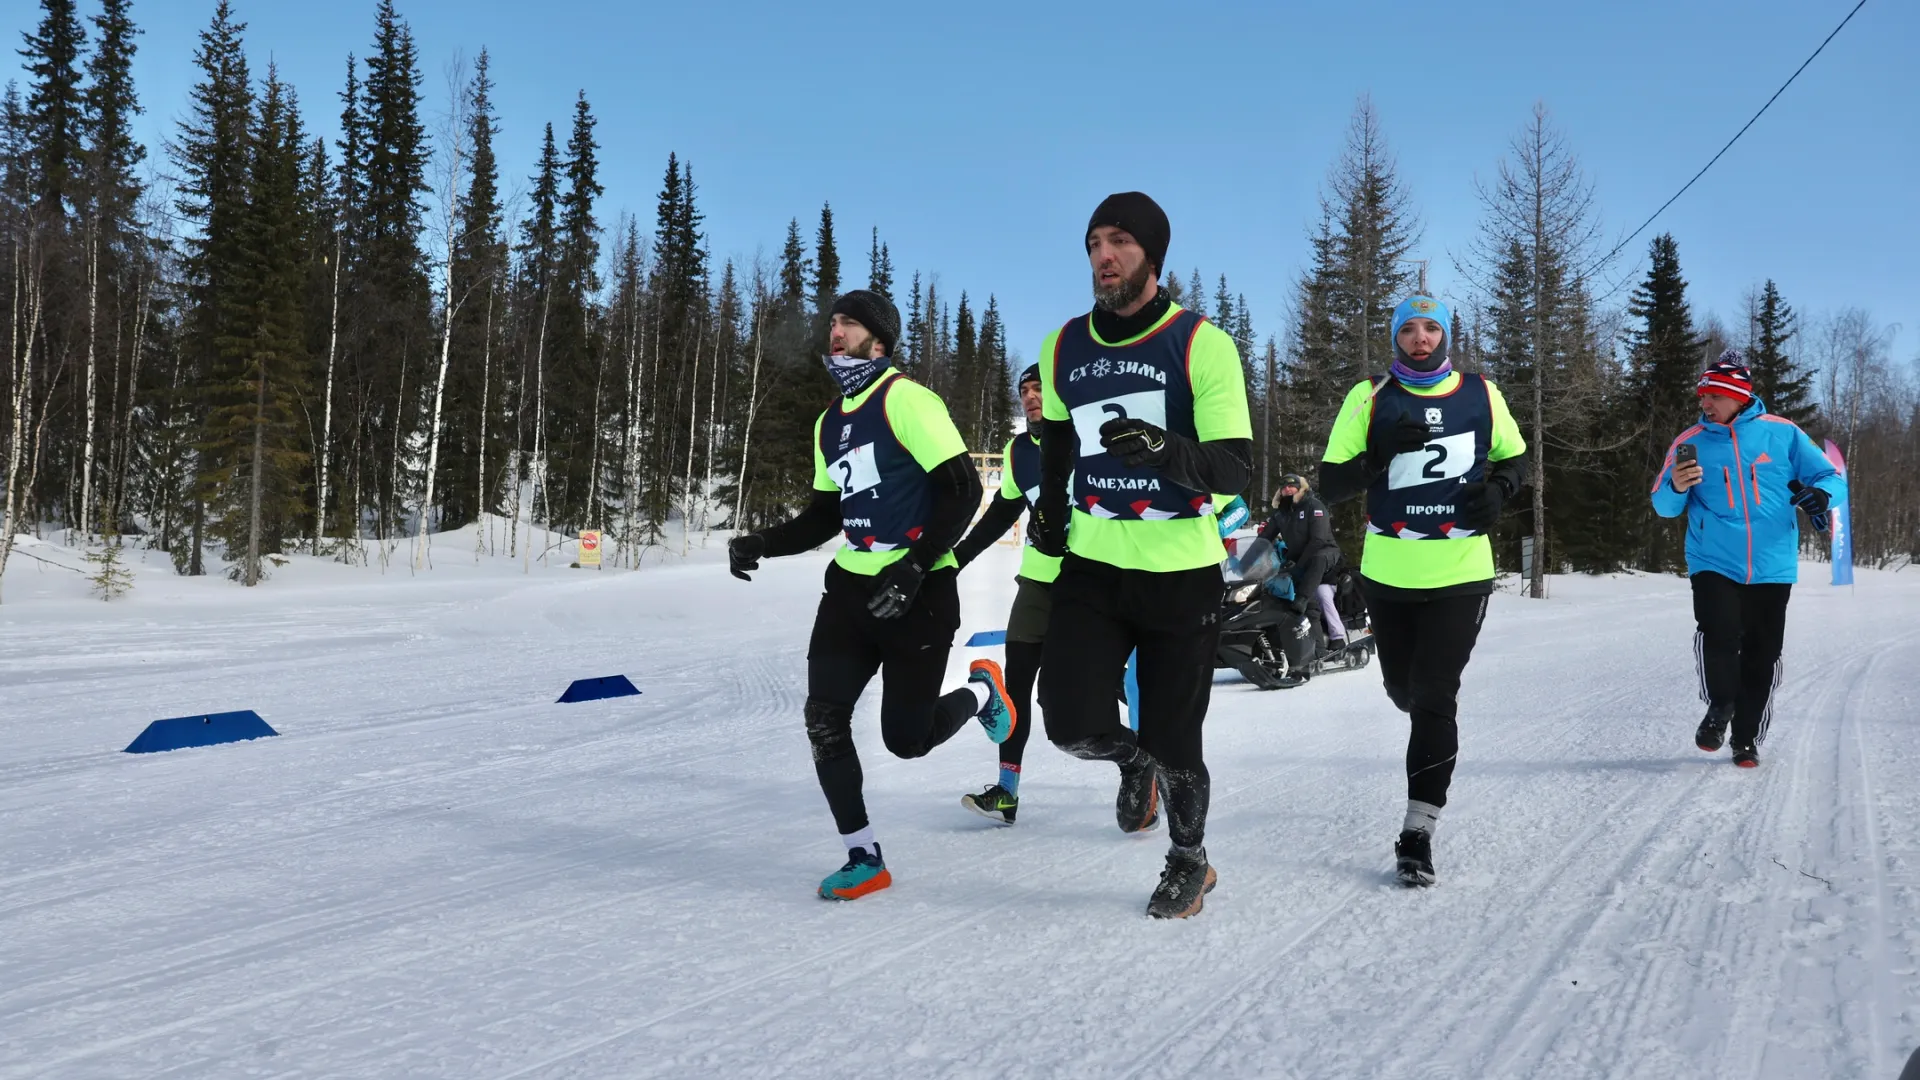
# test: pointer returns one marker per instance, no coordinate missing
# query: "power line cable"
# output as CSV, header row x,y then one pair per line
x,y
1736,138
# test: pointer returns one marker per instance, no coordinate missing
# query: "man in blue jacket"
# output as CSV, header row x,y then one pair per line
x,y
1743,544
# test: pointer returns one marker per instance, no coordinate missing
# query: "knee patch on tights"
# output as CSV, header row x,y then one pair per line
x,y
829,729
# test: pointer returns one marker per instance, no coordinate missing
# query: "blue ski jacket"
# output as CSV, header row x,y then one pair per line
x,y
1741,522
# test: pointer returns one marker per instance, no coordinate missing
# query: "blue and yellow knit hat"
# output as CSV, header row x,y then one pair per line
x,y
1422,307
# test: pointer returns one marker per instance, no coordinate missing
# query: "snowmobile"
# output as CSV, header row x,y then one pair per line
x,y
1270,645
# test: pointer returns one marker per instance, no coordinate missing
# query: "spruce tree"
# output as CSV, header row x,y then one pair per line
x,y
213,158
826,263
1258,397
396,149
1777,377
997,380
1665,366
110,579
1318,375
16,142
573,362
112,255
393,296
912,360
533,306
350,192
252,442
795,267
879,267
111,105
55,106
968,386
794,385
1375,230
475,429
539,231
1510,362
580,231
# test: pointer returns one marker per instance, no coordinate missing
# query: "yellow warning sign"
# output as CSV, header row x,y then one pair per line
x,y
590,548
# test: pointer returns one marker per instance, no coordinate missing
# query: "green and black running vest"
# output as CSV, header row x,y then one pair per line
x,y
1417,498
885,496
1146,380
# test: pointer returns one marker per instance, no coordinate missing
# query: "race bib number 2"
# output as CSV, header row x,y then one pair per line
x,y
1148,405
855,471
1448,458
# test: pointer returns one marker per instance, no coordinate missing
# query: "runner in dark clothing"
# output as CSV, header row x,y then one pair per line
x,y
1027,622
890,472
1436,454
1146,416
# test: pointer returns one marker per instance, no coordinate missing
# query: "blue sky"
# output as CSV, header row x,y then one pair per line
x,y
979,137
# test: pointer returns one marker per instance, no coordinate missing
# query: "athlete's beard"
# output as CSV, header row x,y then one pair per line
x,y
856,352
1123,294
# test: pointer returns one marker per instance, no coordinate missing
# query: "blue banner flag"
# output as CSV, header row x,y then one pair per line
x,y
1842,524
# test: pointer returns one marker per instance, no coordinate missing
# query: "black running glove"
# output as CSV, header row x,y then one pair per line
x,y
1048,536
899,584
1814,501
1479,505
1135,442
1404,437
743,554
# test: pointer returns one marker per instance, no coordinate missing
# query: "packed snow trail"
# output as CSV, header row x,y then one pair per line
x,y
437,872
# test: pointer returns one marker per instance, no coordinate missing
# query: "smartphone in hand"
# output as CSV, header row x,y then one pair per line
x,y
1683,455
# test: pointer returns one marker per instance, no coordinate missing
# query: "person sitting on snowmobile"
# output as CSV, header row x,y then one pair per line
x,y
1300,524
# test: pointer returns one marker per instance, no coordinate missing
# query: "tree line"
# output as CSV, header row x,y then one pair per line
x,y
1600,382
345,346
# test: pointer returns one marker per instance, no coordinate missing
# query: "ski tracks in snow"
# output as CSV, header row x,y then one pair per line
x,y
426,878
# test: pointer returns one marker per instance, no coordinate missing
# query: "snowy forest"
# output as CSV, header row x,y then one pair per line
x,y
254,339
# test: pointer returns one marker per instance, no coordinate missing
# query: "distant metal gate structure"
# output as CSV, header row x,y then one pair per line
x,y
992,468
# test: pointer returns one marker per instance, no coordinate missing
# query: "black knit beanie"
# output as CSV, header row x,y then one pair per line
x,y
1140,217
873,311
1032,374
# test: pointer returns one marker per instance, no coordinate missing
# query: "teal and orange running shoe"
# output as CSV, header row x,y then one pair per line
x,y
864,873
999,716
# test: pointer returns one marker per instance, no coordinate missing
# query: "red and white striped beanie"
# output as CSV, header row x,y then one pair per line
x,y
1728,377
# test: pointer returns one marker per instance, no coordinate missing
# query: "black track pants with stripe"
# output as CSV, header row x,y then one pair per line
x,y
1736,647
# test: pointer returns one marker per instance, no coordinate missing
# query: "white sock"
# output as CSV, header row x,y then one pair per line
x,y
861,839
1421,817
981,694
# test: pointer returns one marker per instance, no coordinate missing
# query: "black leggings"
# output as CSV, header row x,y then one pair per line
x,y
1026,631
1424,646
1023,668
1101,614
848,647
1736,646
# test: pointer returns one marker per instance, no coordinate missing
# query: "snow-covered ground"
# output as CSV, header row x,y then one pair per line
x,y
437,872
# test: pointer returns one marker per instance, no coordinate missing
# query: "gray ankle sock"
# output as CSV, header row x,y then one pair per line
x,y
1421,817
